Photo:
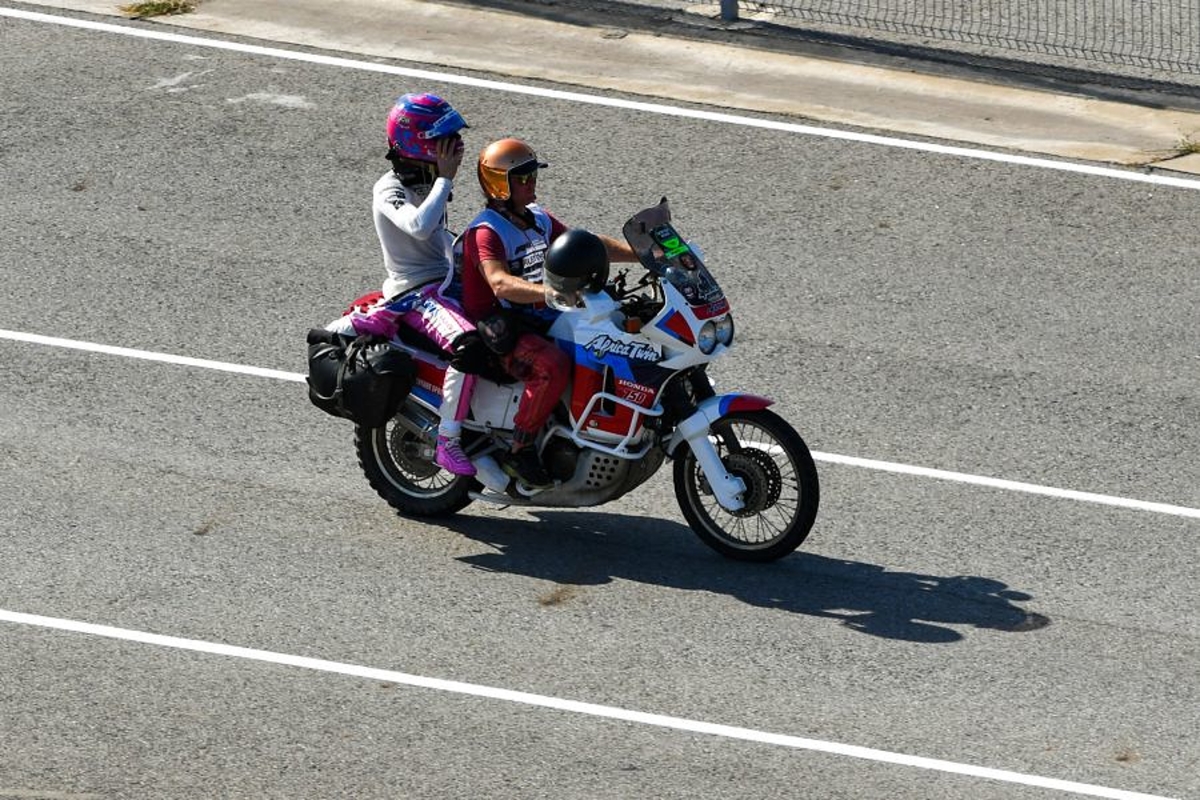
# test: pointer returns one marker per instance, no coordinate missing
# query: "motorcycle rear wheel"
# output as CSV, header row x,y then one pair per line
x,y
392,459
782,490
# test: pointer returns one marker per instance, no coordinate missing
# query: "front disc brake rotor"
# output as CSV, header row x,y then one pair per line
x,y
761,475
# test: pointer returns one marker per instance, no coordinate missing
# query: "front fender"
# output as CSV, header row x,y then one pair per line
x,y
711,410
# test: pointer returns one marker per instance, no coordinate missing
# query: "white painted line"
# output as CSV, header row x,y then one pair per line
x,y
833,458
612,102
1011,486
147,355
573,706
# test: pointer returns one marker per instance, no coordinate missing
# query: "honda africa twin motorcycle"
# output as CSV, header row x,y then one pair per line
x,y
640,394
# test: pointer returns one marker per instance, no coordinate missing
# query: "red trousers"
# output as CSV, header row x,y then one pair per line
x,y
545,371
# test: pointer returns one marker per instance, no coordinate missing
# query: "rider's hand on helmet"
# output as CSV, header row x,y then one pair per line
x,y
449,156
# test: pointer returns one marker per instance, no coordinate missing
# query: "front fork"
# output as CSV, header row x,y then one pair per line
x,y
696,430
727,488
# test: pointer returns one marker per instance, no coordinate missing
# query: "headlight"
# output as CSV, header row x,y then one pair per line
x,y
707,340
725,329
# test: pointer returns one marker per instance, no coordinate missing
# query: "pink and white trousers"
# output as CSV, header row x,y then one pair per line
x,y
426,311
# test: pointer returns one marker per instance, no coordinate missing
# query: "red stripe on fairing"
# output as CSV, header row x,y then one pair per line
x,y
744,402
712,309
678,326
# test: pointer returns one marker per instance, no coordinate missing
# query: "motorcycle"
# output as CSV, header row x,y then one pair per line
x,y
640,394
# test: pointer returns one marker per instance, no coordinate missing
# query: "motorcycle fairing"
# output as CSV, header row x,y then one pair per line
x,y
616,377
712,310
676,328
612,395
676,324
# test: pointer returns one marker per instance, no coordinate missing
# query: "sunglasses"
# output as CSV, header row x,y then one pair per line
x,y
526,178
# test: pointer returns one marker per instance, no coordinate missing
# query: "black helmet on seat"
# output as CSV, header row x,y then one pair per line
x,y
576,263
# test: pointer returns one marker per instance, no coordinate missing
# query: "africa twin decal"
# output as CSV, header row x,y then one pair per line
x,y
604,345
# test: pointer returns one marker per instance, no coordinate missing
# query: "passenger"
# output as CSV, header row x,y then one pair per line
x,y
409,207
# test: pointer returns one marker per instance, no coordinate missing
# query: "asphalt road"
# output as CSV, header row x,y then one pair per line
x,y
981,317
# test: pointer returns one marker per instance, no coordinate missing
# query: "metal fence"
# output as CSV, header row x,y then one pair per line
x,y
1160,38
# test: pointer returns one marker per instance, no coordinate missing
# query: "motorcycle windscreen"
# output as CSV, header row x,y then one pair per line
x,y
667,255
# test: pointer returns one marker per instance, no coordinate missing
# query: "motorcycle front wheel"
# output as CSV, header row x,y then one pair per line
x,y
394,460
782,491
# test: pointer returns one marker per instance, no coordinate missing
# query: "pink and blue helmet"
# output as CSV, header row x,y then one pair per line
x,y
417,121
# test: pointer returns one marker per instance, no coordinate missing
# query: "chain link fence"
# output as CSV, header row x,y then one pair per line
x,y
1153,39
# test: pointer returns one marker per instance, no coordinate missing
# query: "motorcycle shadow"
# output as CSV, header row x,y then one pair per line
x,y
577,549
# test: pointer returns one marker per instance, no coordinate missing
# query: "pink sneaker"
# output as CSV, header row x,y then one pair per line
x,y
450,457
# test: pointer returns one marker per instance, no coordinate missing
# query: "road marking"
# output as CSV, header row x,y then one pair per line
x,y
591,709
832,458
611,102
1011,486
147,355
573,706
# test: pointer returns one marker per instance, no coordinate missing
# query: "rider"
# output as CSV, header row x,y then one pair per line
x,y
504,249
409,207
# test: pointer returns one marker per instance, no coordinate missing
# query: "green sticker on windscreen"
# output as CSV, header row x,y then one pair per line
x,y
671,243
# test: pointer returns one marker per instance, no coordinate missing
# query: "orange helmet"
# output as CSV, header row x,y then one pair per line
x,y
501,158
